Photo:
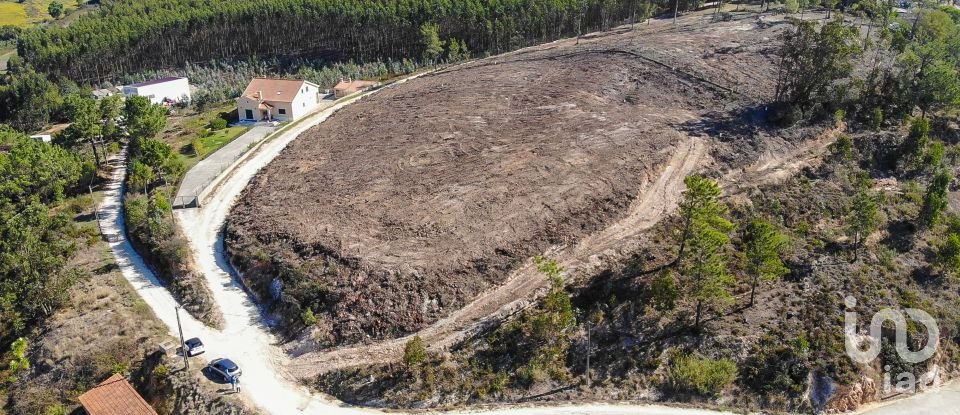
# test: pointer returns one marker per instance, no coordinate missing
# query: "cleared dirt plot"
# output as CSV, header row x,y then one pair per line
x,y
402,208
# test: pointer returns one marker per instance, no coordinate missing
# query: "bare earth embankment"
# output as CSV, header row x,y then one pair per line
x,y
400,209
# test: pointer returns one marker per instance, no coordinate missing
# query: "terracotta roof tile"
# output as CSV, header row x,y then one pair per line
x,y
115,396
279,90
353,86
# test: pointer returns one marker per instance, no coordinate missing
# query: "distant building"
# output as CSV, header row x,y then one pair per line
x,y
349,86
277,99
115,396
46,138
99,94
164,90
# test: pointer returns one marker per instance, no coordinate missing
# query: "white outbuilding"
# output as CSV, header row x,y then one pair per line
x,y
46,138
167,90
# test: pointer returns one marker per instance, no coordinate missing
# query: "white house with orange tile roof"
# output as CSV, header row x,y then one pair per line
x,y
277,99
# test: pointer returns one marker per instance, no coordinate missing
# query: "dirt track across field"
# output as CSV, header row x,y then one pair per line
x,y
656,200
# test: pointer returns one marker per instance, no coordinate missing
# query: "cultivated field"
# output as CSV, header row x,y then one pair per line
x,y
30,12
13,14
402,208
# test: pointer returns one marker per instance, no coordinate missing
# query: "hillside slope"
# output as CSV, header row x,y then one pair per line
x,y
402,208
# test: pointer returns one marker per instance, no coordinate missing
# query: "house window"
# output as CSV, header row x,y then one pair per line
x,y
282,111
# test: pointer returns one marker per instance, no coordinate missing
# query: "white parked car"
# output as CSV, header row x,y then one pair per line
x,y
194,347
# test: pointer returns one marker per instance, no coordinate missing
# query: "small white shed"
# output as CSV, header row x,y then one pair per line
x,y
46,138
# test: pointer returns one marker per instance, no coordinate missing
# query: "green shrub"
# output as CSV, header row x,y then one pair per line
x,y
916,142
161,372
198,149
772,367
791,6
119,367
842,148
877,119
531,374
933,158
664,292
415,352
79,204
948,253
839,115
56,409
218,124
700,375
308,317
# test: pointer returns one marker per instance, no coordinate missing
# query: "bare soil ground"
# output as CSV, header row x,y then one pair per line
x,y
401,209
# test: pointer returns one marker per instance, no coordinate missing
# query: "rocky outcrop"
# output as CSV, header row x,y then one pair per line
x,y
819,390
850,397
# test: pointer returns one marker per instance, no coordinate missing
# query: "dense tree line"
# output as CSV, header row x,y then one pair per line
x,y
907,65
28,99
36,240
126,37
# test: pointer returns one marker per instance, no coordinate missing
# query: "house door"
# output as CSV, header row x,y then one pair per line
x,y
249,114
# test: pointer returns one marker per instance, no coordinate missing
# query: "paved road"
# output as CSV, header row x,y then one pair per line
x,y
204,172
944,400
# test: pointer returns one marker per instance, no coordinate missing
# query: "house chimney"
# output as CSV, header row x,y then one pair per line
x,y
260,95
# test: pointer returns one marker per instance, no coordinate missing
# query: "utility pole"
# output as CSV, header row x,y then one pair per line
x,y
589,350
183,344
96,211
598,314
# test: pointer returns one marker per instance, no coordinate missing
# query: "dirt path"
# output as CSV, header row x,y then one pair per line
x,y
776,166
525,284
244,338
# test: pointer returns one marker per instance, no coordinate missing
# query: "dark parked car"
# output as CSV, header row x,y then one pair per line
x,y
194,347
225,368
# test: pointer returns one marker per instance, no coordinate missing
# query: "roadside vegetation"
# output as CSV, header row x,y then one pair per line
x,y
193,134
154,172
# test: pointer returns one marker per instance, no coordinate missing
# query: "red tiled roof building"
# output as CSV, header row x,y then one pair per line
x,y
115,396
